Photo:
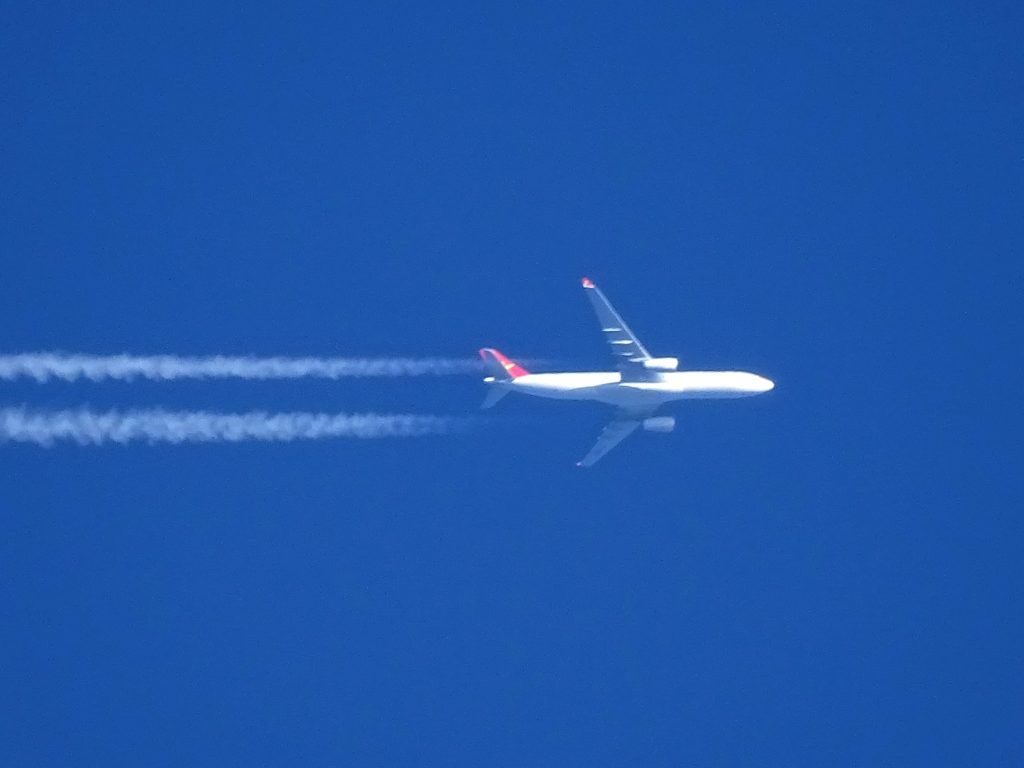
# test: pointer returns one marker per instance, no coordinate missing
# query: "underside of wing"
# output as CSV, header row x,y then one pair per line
x,y
617,430
629,352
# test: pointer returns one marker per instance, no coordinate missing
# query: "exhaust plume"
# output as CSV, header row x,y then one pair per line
x,y
44,366
86,427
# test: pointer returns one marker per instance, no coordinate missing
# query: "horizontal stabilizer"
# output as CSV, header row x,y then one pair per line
x,y
494,394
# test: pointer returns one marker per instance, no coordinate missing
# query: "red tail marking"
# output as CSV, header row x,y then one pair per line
x,y
514,369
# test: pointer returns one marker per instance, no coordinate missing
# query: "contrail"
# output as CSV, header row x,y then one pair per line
x,y
86,427
44,366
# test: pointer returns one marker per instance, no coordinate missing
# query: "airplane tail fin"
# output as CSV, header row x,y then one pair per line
x,y
500,367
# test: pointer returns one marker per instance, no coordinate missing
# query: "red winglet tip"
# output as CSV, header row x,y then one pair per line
x,y
588,283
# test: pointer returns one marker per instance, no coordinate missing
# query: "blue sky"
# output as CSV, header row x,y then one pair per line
x,y
830,196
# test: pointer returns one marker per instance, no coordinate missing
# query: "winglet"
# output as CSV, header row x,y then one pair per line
x,y
588,283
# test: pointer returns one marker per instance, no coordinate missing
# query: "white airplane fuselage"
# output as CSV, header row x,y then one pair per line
x,y
608,387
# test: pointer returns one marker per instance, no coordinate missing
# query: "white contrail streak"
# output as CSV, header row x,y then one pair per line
x,y
44,366
86,427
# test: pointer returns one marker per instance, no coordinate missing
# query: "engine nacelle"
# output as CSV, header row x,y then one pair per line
x,y
660,424
661,364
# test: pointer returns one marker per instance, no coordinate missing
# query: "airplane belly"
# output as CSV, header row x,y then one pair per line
x,y
608,388
550,392
697,386
627,396
565,386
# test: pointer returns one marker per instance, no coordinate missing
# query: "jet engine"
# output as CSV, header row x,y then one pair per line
x,y
661,364
660,424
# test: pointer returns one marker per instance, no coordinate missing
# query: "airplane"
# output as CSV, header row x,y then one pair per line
x,y
641,385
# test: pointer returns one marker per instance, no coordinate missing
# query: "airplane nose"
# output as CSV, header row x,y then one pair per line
x,y
766,385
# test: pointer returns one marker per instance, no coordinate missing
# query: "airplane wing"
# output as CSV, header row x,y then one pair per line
x,y
626,347
617,430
